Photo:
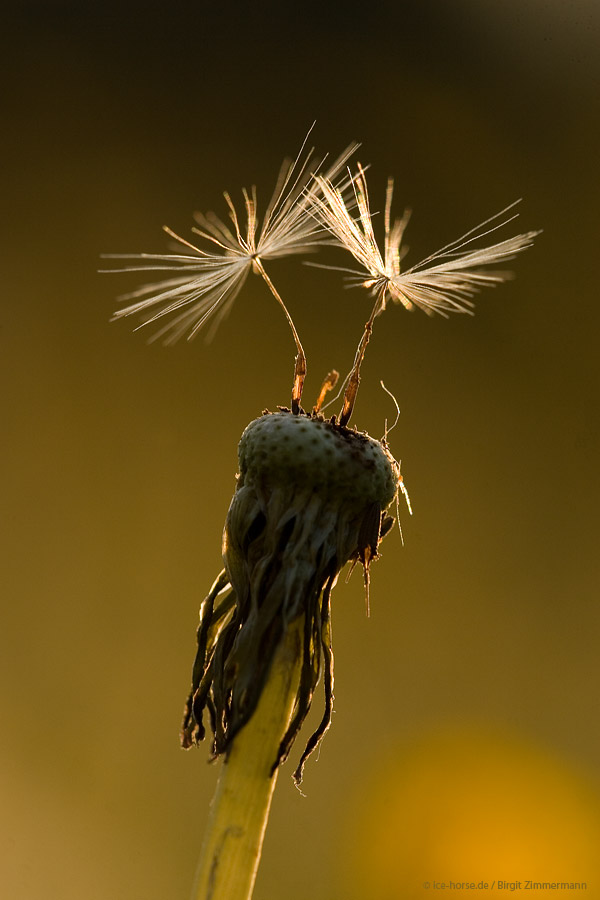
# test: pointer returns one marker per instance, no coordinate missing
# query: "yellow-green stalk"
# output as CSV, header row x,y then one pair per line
x,y
240,808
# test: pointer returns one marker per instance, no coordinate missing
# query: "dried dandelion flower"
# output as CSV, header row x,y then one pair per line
x,y
311,496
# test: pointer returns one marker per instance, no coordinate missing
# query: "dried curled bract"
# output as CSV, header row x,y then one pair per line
x,y
311,496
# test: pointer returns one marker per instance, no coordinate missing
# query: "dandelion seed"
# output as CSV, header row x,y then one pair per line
x,y
204,283
441,283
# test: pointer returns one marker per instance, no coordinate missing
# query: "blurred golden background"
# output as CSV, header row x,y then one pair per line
x,y
466,738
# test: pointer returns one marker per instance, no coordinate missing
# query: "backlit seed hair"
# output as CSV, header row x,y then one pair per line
x,y
442,283
206,282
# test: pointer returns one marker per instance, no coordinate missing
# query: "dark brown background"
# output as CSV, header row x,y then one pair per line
x,y
466,737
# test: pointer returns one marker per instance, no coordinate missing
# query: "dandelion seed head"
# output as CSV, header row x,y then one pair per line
x,y
312,451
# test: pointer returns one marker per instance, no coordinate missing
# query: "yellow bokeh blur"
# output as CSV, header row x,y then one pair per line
x,y
469,806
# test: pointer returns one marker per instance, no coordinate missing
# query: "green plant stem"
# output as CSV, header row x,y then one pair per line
x,y
240,808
